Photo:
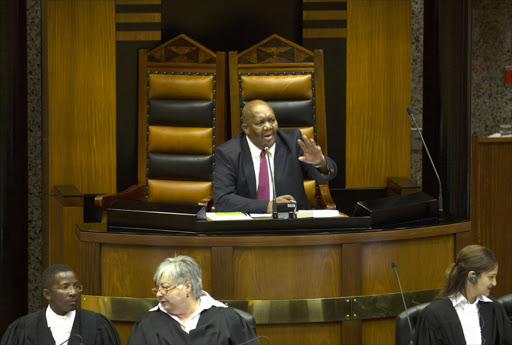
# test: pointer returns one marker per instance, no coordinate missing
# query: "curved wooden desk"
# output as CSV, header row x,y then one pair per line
x,y
281,268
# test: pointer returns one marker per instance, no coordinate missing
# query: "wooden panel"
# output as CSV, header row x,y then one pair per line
x,y
91,268
378,91
322,333
418,267
351,286
275,273
127,271
123,329
285,267
290,273
54,243
80,74
222,268
491,202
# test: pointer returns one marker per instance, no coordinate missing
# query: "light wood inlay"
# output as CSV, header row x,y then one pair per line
x,y
138,35
324,33
324,15
138,17
138,2
324,1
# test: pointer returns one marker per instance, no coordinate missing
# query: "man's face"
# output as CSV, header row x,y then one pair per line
x,y
62,296
260,126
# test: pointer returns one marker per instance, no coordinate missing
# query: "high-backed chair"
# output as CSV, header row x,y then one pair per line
x,y
182,118
402,330
291,79
506,301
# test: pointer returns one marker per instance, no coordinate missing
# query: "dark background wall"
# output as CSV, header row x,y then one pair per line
x,y
13,162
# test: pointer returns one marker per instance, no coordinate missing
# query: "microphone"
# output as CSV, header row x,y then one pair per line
x,y
440,199
274,205
71,337
253,339
411,332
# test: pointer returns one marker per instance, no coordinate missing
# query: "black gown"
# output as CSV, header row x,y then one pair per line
x,y
216,326
439,324
32,329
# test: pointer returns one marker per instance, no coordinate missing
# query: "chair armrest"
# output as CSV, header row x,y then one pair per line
x,y
135,192
207,203
327,200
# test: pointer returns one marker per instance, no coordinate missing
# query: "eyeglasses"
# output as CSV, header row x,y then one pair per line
x,y
164,291
77,288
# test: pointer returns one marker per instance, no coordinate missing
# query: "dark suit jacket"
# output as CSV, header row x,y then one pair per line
x,y
234,186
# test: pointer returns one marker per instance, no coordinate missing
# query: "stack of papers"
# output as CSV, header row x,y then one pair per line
x,y
300,214
227,216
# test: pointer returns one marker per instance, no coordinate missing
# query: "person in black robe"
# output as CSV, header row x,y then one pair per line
x,y
463,313
186,315
69,324
440,324
89,328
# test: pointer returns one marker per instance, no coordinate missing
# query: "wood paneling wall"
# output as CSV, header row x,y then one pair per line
x,y
491,202
378,91
79,105
81,84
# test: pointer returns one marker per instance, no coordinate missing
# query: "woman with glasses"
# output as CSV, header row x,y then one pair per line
x,y
185,313
463,313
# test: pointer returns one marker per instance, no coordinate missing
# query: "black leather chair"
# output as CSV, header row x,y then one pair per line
x,y
506,301
247,317
182,119
402,331
291,79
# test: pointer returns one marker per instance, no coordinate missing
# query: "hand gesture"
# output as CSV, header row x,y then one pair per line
x,y
312,152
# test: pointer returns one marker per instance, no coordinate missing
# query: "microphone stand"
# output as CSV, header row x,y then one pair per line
x,y
405,305
274,205
440,199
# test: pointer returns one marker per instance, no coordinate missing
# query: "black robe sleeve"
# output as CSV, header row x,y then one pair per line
x,y
31,329
15,333
240,330
94,328
439,324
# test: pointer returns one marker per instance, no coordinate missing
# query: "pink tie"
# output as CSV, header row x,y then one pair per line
x,y
263,186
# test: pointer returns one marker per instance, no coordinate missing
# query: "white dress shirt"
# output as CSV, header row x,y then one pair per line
x,y
206,303
256,156
60,325
469,317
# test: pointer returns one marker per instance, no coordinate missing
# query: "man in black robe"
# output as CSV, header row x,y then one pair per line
x,y
61,322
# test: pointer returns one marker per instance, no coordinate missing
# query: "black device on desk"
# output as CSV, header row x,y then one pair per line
x,y
285,210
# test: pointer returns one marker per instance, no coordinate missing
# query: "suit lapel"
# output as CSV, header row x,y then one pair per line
x,y
248,167
279,164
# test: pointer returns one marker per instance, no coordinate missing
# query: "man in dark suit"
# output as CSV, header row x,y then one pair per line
x,y
292,158
61,322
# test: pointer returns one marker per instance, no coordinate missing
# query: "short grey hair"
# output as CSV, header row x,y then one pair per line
x,y
179,270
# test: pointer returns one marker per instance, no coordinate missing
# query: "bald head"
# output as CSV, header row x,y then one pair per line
x,y
259,123
249,109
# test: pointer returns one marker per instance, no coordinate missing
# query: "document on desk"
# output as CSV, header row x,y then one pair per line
x,y
227,216
320,214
